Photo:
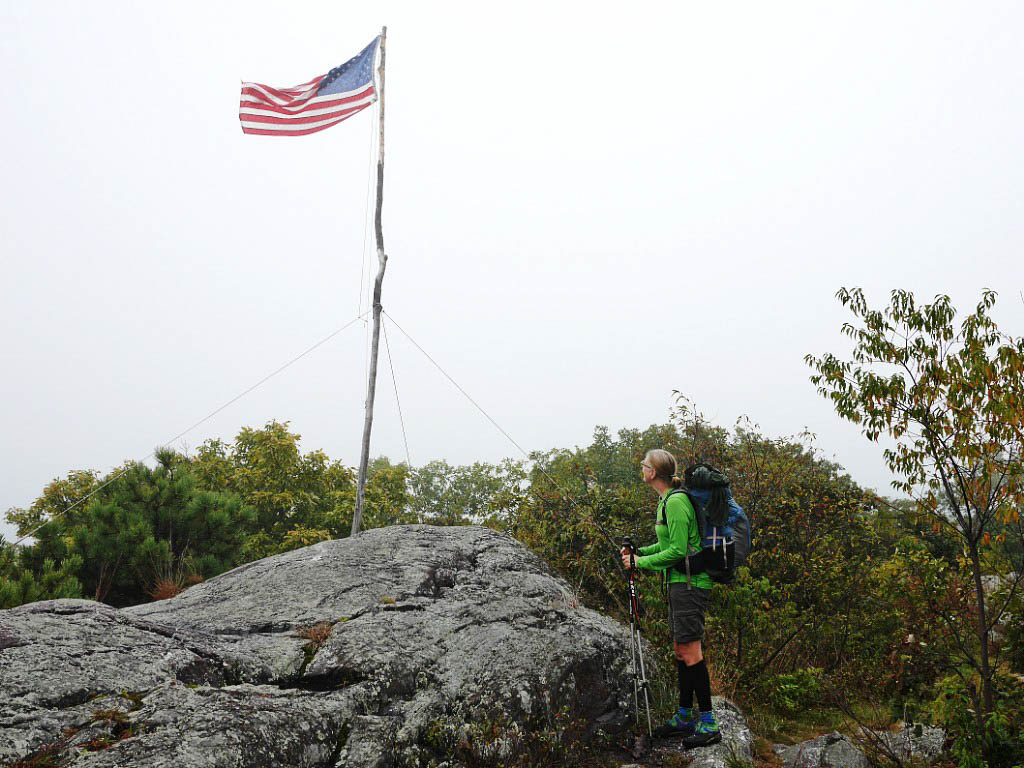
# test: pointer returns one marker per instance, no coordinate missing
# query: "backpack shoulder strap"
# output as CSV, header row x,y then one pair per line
x,y
663,505
698,516
698,510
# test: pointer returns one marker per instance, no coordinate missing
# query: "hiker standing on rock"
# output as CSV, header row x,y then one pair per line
x,y
688,596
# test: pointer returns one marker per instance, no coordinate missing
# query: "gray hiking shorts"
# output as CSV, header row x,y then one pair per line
x,y
686,611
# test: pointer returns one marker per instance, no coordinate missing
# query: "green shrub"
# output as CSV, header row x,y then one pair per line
x,y
999,741
554,741
792,692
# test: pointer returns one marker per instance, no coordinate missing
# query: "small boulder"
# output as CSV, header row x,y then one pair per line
x,y
911,741
833,750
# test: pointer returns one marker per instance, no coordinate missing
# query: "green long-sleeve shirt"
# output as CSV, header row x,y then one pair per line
x,y
679,537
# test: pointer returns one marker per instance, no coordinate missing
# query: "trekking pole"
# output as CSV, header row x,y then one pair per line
x,y
636,648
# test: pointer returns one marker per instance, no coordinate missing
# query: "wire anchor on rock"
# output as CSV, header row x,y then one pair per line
x,y
636,648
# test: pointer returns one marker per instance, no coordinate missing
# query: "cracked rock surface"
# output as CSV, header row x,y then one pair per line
x,y
345,653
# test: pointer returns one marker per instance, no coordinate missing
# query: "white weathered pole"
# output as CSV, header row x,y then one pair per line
x,y
382,261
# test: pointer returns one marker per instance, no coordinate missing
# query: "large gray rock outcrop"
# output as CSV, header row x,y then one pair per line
x,y
344,653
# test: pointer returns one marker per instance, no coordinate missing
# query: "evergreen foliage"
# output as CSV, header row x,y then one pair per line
x,y
20,584
146,526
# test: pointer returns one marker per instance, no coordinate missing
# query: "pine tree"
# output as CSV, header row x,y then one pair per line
x,y
20,585
149,532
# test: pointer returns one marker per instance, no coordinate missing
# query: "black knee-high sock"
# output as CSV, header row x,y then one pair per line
x,y
685,685
701,682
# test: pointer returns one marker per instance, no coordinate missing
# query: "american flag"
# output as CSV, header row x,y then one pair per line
x,y
314,105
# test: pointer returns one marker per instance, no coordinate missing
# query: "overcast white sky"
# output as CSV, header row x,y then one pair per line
x,y
586,207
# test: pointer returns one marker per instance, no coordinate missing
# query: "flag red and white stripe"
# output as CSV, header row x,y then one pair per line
x,y
297,111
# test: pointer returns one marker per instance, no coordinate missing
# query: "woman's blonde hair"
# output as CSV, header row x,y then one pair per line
x,y
664,465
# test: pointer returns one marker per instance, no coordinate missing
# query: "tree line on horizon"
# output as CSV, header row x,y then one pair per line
x,y
149,532
911,605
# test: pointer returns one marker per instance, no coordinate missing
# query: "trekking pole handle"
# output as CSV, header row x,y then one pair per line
x,y
627,543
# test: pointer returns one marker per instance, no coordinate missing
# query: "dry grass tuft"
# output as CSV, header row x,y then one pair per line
x,y
316,635
109,716
722,684
165,588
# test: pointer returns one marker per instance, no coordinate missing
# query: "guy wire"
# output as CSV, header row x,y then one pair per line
x,y
512,440
401,418
206,418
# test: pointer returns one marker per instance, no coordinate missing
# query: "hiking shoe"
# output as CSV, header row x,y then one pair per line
x,y
705,739
705,732
682,723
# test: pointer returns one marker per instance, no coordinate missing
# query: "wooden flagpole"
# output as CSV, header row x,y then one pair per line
x,y
382,261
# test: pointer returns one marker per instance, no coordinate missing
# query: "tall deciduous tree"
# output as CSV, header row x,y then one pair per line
x,y
60,499
299,498
951,398
443,494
